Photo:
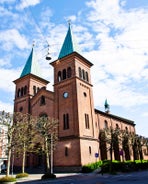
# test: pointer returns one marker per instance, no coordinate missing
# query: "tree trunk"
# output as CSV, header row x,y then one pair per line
x,y
24,159
9,160
47,156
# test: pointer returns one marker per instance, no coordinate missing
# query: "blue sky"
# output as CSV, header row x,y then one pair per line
x,y
112,34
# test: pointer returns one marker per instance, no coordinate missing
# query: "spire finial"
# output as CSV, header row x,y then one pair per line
x,y
69,22
33,43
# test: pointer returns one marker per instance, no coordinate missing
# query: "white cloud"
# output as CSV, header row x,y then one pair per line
x,y
6,78
120,58
25,4
7,107
12,38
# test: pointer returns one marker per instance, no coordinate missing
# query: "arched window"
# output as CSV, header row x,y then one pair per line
x,y
22,91
90,150
80,73
42,100
66,151
83,74
21,109
19,93
38,89
117,126
59,76
34,90
86,121
105,124
66,121
64,74
87,76
69,72
126,129
25,90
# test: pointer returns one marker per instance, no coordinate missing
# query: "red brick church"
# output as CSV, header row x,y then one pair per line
x,y
71,102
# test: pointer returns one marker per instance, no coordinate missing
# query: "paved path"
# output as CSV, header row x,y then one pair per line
x,y
92,178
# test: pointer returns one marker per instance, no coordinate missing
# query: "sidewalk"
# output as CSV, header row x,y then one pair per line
x,y
33,177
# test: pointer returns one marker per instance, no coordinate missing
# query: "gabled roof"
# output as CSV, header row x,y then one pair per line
x,y
31,66
115,117
69,45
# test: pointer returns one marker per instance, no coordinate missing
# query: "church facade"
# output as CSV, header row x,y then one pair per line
x,y
72,103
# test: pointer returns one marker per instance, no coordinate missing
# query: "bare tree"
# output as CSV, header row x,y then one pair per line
x,y
25,135
47,128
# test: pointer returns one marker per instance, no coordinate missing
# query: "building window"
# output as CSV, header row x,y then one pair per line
x,y
25,90
34,90
18,93
66,151
117,126
22,91
64,74
69,72
105,124
83,74
21,109
59,76
80,73
85,95
86,121
42,100
90,150
126,129
87,76
66,121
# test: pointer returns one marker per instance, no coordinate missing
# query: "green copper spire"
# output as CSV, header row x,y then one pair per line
x,y
106,105
69,45
31,66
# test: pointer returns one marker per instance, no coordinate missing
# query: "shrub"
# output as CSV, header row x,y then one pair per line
x,y
7,179
22,175
48,176
91,167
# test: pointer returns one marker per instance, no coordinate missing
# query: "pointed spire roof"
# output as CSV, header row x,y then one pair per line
x,y
31,66
107,106
69,45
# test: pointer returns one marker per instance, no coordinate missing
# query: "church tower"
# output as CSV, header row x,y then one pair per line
x,y
28,84
74,107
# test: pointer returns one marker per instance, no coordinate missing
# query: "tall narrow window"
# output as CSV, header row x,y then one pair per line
x,y
126,129
22,91
34,90
66,121
87,76
69,71
42,100
66,151
18,93
86,121
64,74
25,90
59,76
83,74
105,124
90,150
80,73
